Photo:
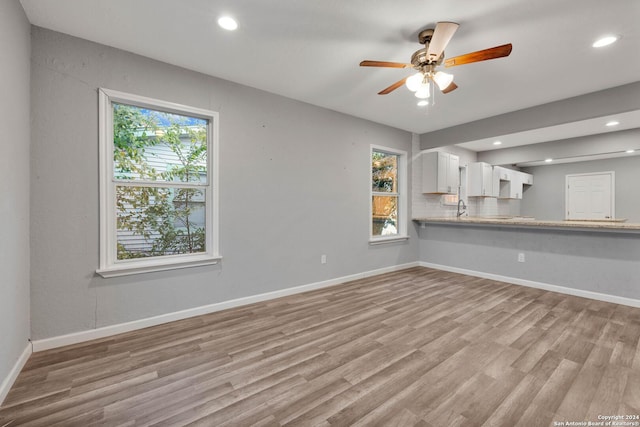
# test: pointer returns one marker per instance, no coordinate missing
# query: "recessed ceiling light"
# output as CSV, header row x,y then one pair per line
x,y
497,143
423,103
548,160
612,123
630,151
228,23
605,41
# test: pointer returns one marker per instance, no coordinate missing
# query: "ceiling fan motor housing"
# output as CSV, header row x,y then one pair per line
x,y
420,57
425,36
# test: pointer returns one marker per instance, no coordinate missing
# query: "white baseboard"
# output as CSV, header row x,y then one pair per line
x,y
7,383
106,331
538,285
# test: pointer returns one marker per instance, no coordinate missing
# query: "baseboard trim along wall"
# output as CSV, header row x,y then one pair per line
x,y
538,285
106,331
7,383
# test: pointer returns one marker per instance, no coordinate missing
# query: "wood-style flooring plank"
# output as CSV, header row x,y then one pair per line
x,y
418,347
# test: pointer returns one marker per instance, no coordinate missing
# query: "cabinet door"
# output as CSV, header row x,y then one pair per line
x,y
504,174
434,172
453,174
487,180
495,190
443,173
480,180
440,173
516,186
474,178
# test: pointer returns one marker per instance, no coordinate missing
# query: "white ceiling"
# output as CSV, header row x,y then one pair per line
x,y
310,50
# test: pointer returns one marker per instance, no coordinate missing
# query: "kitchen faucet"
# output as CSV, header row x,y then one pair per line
x,y
460,213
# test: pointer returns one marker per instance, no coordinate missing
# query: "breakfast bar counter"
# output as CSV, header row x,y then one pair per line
x,y
592,259
519,222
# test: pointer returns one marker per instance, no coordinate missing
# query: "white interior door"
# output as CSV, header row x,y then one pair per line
x,y
590,196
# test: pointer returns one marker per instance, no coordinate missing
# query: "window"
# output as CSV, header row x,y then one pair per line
x,y
388,195
158,185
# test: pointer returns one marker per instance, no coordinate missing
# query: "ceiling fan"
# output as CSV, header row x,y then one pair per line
x,y
426,60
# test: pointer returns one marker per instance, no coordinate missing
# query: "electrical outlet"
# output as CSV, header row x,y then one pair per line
x,y
323,259
520,257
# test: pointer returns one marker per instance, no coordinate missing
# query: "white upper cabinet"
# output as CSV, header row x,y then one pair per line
x,y
480,180
440,173
508,183
513,188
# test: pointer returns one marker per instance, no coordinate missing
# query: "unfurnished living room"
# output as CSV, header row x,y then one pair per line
x,y
320,213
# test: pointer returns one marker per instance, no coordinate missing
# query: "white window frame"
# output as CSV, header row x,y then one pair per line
x,y
402,196
110,266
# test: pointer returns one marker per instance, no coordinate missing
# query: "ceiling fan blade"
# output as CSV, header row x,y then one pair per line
x,y
386,64
481,55
440,39
393,87
450,88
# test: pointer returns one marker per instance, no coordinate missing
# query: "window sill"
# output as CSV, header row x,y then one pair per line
x,y
127,269
383,240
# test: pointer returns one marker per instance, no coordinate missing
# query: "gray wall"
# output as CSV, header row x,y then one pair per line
x,y
294,185
14,184
546,198
601,262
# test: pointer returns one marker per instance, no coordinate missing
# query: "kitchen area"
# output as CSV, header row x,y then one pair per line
x,y
483,193
560,215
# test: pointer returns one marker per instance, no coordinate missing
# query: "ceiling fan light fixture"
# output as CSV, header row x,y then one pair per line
x,y
423,103
423,92
442,79
413,82
426,59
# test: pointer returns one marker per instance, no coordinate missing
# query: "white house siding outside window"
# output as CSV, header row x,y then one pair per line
x,y
158,185
388,209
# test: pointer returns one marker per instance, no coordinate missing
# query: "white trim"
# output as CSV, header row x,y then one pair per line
x,y
110,266
7,383
383,240
106,331
538,285
126,269
154,104
160,184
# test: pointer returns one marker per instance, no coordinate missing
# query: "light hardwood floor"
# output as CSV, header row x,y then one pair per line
x,y
419,347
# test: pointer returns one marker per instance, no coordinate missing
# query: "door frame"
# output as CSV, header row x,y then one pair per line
x,y
613,191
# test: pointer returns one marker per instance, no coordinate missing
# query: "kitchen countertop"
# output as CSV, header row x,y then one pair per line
x,y
616,225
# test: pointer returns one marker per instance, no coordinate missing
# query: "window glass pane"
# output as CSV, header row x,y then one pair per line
x,y
385,215
384,172
155,221
150,145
